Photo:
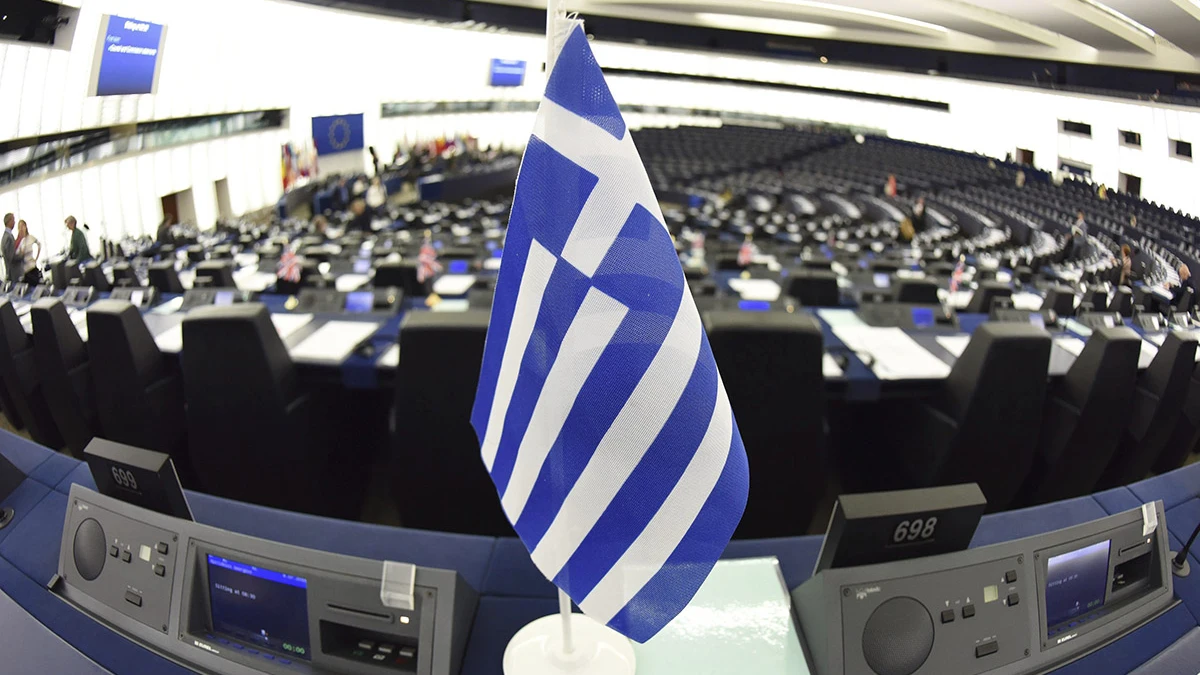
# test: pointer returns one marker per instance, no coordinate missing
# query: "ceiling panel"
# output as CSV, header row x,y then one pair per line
x,y
1166,18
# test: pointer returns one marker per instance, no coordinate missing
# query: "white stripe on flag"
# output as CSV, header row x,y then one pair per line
x,y
539,265
622,182
626,441
654,546
590,332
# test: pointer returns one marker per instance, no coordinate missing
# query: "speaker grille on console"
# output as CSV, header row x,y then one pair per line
x,y
898,637
89,549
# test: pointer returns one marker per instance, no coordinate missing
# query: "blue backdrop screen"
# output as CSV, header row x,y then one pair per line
x,y
129,53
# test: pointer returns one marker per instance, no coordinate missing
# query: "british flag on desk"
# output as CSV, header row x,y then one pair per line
x,y
427,261
600,413
288,268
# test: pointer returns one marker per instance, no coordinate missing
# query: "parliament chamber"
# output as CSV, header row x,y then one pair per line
x,y
243,421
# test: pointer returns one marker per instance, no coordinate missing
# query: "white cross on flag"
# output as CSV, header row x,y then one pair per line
x,y
600,413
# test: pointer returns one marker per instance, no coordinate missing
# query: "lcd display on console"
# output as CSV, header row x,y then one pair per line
x,y
1076,583
259,606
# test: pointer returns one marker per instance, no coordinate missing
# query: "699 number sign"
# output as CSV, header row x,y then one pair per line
x,y
124,478
916,529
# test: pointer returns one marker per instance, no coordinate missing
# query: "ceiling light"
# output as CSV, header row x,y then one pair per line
x,y
831,7
1121,17
758,25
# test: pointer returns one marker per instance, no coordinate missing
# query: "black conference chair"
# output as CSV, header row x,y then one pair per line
x,y
771,364
23,401
1157,402
255,434
1086,411
65,370
814,288
215,274
1122,302
885,266
441,482
164,277
1187,430
982,426
125,275
93,275
917,292
1060,299
403,275
986,295
139,396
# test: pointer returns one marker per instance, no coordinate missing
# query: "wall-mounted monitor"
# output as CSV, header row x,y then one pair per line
x,y
128,57
507,73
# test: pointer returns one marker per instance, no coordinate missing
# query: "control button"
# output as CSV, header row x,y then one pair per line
x,y
407,652
968,611
986,649
284,661
386,649
160,570
162,548
1013,599
126,556
379,657
114,551
133,598
268,656
947,616
366,644
1010,577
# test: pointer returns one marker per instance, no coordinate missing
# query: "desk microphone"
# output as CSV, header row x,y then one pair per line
x,y
1179,564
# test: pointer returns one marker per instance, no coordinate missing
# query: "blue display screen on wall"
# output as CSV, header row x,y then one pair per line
x,y
507,73
127,56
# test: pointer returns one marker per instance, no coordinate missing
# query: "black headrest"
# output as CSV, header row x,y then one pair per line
x,y
11,332
241,338
115,326
53,328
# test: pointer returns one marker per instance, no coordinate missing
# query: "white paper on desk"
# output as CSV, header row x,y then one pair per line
x,y
27,323
351,282
334,341
896,355
1027,302
959,299
830,367
24,309
1071,345
455,305
838,318
1149,351
390,358
491,264
169,307
756,289
1156,339
246,259
454,284
187,278
170,340
82,329
955,344
250,280
1078,328
287,324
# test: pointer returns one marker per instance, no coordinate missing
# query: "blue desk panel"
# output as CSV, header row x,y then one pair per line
x,y
513,592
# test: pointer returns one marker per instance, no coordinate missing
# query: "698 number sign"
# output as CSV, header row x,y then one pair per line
x,y
124,478
917,529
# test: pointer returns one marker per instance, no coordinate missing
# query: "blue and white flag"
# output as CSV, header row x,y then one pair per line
x,y
600,413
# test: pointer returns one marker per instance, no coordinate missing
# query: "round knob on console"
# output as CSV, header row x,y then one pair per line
x,y
898,637
89,549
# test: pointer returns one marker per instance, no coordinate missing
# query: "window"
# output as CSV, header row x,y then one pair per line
x,y
1075,128
1131,139
1131,185
1181,149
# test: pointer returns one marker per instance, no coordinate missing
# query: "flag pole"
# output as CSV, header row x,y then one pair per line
x,y
564,609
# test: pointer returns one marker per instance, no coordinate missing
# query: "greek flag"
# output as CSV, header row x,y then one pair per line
x,y
600,413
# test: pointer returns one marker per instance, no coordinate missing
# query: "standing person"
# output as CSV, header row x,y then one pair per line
x,y
164,236
918,219
376,196
1081,223
78,250
8,248
892,188
29,249
1126,264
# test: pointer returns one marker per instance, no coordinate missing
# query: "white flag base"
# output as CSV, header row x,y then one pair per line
x,y
537,649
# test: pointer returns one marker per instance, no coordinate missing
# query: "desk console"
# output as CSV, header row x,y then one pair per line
x,y
220,602
1026,606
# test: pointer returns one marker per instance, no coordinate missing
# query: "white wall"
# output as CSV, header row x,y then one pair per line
x,y
235,55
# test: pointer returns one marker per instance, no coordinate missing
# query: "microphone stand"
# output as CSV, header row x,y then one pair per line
x,y
1179,564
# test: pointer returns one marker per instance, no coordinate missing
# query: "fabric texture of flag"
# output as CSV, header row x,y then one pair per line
x,y
600,413
288,268
956,277
427,262
745,254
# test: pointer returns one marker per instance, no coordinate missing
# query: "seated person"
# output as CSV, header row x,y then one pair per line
x,y
362,217
1126,265
319,226
1179,293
